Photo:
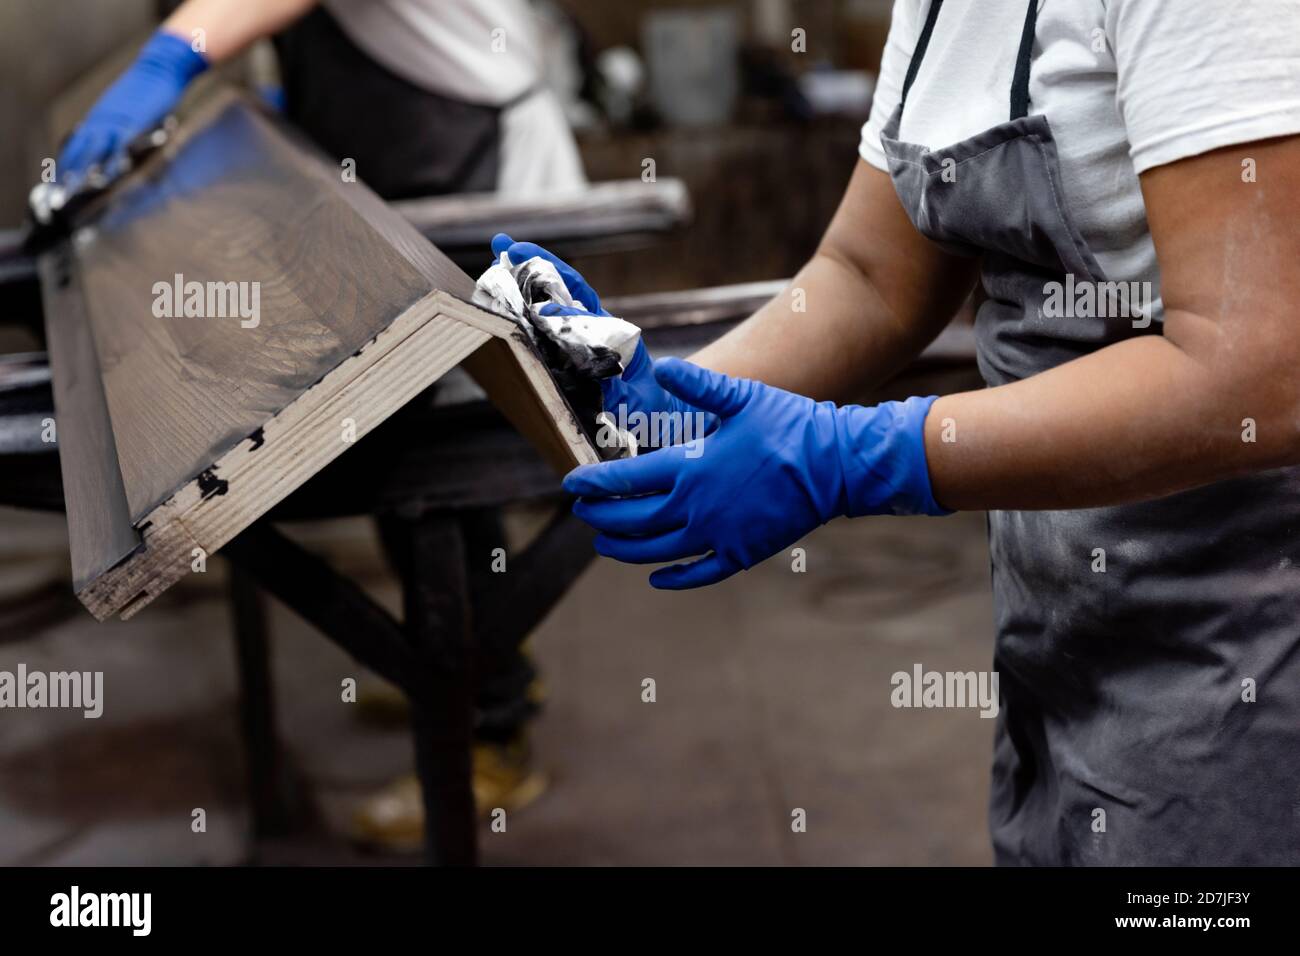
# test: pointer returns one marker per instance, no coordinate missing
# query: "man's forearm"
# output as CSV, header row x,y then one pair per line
x,y
1216,396
1136,420
872,297
844,339
230,26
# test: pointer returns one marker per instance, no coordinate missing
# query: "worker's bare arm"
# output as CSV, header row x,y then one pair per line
x,y
230,26
874,294
1217,395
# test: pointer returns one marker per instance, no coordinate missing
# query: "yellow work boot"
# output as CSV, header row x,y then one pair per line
x,y
381,704
504,776
392,819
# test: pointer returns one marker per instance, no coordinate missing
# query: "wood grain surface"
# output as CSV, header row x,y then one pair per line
x,y
197,424
232,205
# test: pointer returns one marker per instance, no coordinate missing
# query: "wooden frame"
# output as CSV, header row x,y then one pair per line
x,y
175,437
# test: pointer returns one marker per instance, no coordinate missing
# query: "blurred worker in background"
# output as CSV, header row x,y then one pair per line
x,y
428,97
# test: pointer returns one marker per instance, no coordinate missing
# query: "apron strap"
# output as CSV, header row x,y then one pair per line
x,y
919,53
1019,83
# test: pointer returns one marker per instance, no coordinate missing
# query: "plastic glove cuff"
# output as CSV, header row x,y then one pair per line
x,y
885,468
173,56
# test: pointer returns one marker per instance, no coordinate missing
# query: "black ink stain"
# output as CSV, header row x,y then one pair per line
x,y
210,484
258,438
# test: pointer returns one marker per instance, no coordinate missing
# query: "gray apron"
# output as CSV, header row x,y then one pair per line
x,y
1125,734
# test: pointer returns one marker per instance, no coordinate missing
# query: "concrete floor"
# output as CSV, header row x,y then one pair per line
x,y
773,693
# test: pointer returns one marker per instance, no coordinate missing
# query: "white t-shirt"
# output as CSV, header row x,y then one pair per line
x,y
476,51
1125,84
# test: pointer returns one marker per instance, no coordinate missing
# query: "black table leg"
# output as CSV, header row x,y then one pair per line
x,y
429,655
454,610
267,783
437,621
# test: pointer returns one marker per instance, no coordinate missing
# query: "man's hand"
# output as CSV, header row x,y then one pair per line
x,y
778,466
139,99
636,390
198,33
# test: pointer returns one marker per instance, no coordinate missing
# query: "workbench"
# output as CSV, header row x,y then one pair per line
x,y
437,475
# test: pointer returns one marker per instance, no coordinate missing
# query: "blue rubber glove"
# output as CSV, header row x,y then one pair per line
x,y
635,391
778,466
135,103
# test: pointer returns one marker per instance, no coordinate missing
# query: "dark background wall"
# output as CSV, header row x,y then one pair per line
x,y
762,194
848,32
44,46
